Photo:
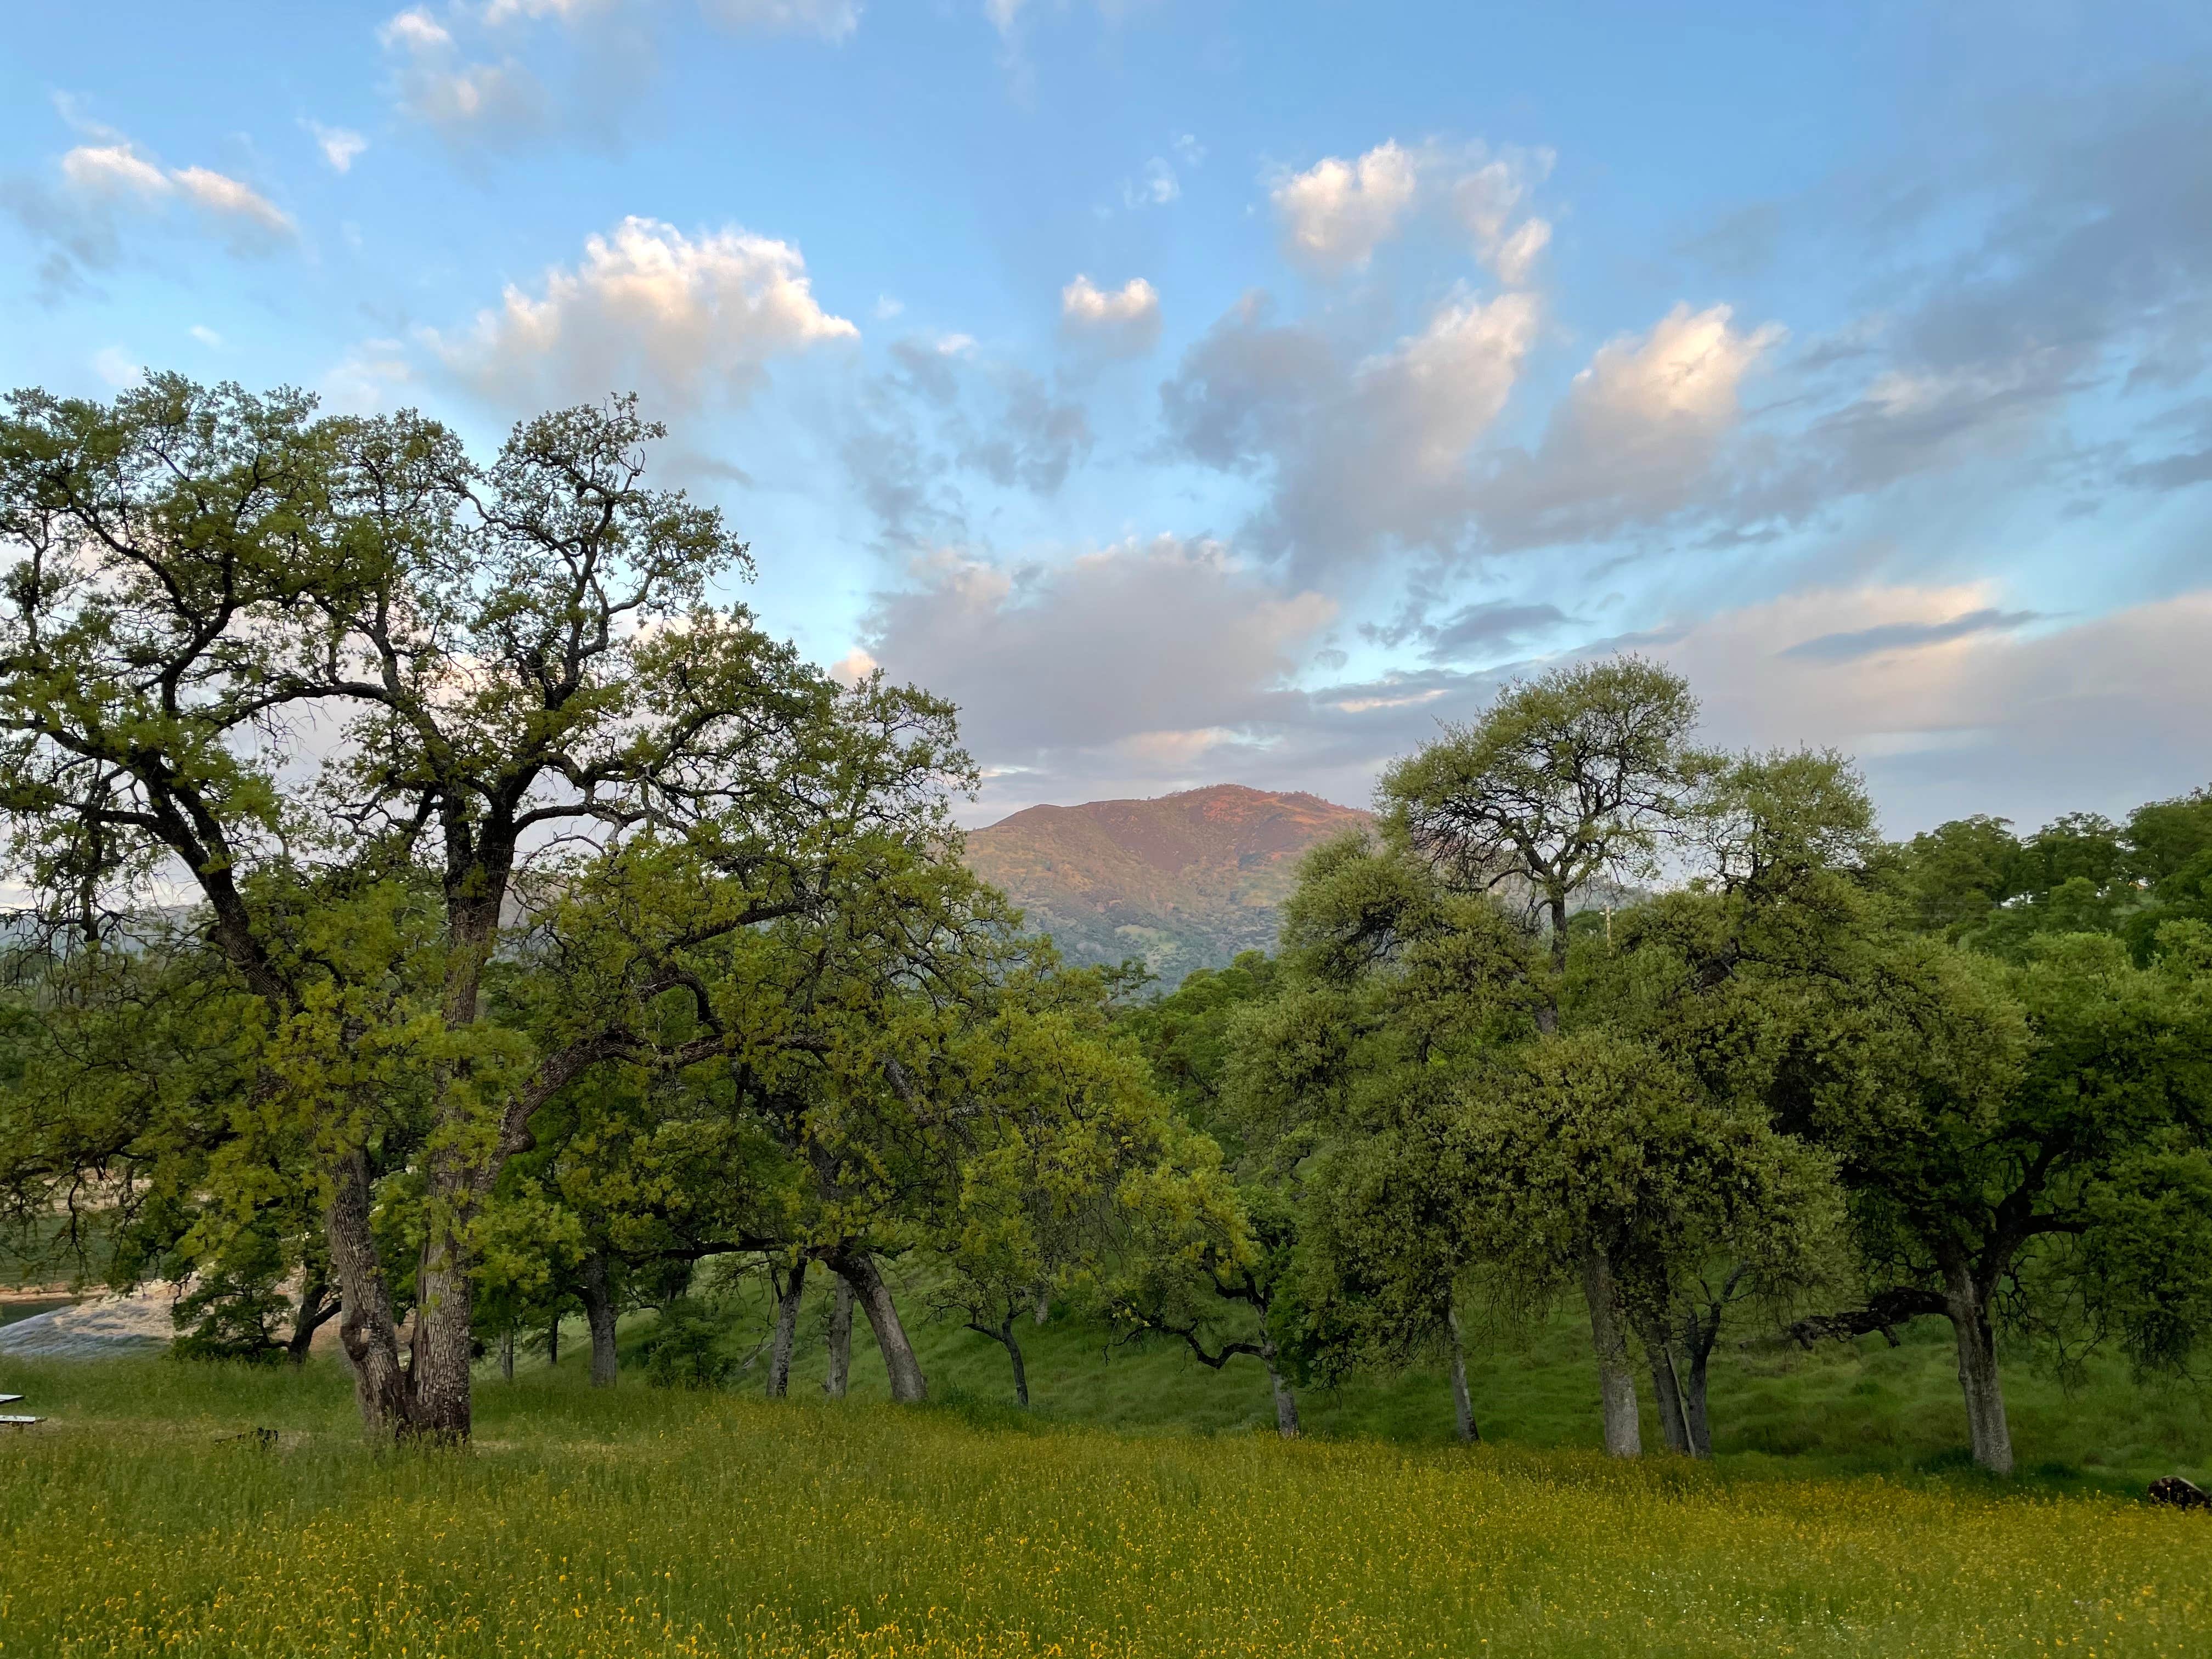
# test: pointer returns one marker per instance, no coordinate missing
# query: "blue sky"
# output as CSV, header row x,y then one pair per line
x,y
1202,391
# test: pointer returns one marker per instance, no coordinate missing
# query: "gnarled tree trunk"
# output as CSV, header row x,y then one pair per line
x,y
366,1329
1616,1381
859,1270
788,1296
841,1338
600,1314
439,1364
1967,1301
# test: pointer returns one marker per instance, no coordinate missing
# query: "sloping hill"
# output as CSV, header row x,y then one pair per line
x,y
1184,881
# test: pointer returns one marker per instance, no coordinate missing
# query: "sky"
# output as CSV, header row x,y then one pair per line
x,y
1204,392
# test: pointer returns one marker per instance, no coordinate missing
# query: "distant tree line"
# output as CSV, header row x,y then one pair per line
x,y
442,911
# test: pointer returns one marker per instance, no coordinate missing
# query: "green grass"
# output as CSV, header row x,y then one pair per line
x,y
1145,1507
1861,1409
635,1523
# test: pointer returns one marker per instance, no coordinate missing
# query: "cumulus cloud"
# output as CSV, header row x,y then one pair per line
x,y
1123,321
1357,454
1635,439
1335,214
686,320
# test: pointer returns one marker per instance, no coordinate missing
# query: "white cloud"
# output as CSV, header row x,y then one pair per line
x,y
1637,436
1515,255
114,170
1686,368
1003,14
1441,388
109,174
415,30
1138,659
888,307
341,146
1125,321
685,318
1485,192
226,198
1337,213
206,335
1356,454
853,667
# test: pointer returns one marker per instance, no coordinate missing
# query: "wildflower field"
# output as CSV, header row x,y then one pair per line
x,y
645,1524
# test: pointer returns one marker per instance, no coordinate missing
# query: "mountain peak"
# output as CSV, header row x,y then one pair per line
x,y
1183,881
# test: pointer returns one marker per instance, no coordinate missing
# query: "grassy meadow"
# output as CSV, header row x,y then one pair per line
x,y
1136,1511
1845,1408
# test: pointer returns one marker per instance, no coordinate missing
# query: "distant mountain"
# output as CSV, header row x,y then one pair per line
x,y
1184,881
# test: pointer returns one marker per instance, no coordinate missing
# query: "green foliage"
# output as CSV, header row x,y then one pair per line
x,y
685,1348
236,1301
1578,774
1976,883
